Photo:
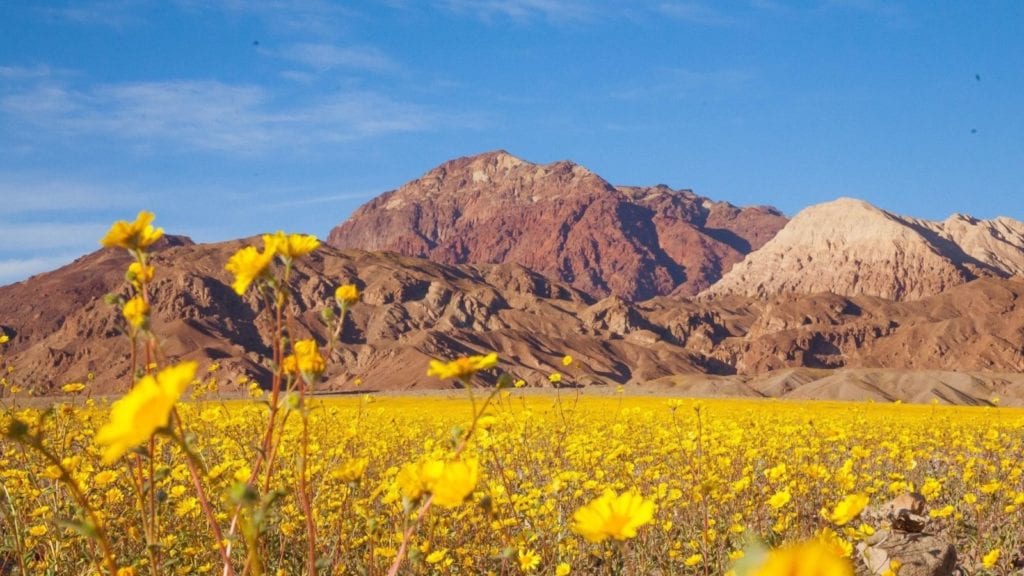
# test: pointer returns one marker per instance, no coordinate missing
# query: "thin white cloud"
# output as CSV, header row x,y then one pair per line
x,y
310,201
702,13
304,17
22,194
212,115
298,76
893,12
323,57
206,114
17,269
116,14
554,10
25,72
48,236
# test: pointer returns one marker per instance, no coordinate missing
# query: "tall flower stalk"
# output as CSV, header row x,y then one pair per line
x,y
450,481
298,371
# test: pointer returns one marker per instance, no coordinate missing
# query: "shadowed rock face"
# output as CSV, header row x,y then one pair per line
x,y
562,221
414,310
850,247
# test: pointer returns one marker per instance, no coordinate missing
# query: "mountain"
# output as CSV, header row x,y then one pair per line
x,y
850,247
413,310
562,221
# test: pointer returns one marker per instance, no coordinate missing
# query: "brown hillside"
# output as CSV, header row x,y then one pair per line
x,y
414,310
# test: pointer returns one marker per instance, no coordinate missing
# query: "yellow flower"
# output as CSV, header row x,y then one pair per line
x,y
612,516
346,295
931,488
143,410
351,470
991,487
139,274
436,556
554,377
989,560
779,499
835,543
450,481
894,568
455,480
520,383
248,264
563,569
805,559
306,360
4,338
462,367
103,478
136,312
135,235
566,360
693,560
73,387
129,571
528,560
848,509
291,245
37,530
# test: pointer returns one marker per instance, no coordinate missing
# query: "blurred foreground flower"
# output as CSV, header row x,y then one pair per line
x,y
136,235
613,516
248,264
351,470
143,410
450,481
811,558
140,274
136,312
306,361
462,367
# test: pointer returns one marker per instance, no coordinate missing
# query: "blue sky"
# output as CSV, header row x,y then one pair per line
x,y
231,117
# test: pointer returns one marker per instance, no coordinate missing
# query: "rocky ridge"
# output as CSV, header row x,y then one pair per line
x,y
563,221
963,344
852,248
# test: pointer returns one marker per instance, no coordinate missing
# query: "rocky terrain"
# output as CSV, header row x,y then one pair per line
x,y
852,248
562,221
960,344
845,301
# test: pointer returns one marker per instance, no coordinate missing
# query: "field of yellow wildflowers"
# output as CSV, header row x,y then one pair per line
x,y
716,474
173,479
